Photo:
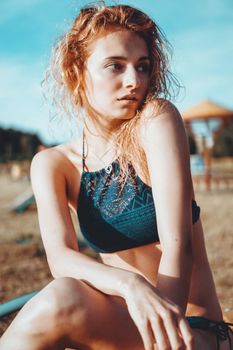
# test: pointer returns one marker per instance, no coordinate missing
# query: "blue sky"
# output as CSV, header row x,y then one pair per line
x,y
200,32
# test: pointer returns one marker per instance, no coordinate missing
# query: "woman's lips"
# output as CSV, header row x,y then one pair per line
x,y
128,99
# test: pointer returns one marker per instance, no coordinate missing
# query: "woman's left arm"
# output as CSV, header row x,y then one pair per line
x,y
166,147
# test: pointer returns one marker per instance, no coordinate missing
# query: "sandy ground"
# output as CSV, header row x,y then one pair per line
x,y
23,266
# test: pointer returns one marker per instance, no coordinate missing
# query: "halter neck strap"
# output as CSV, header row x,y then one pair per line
x,y
83,153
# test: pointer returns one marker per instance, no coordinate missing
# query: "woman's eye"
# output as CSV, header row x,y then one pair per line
x,y
143,68
115,66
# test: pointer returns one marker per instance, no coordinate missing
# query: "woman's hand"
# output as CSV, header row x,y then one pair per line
x,y
157,319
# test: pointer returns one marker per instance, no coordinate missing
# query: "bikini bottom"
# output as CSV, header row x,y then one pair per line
x,y
221,329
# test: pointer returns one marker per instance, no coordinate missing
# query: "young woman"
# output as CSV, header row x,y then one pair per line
x,y
128,178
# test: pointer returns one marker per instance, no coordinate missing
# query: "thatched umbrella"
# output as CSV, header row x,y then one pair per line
x,y
206,112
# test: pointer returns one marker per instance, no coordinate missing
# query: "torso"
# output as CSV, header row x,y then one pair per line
x,y
145,259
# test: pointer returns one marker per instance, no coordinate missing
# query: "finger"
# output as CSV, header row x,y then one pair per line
x,y
170,325
186,333
146,334
159,332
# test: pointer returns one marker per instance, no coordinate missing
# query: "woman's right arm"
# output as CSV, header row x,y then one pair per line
x,y
50,185
155,316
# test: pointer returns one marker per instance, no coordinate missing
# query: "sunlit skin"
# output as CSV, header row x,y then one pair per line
x,y
101,305
119,65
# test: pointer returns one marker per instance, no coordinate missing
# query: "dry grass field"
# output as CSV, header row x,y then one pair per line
x,y
23,266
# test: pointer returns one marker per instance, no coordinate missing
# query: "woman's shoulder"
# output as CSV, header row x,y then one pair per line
x,y
159,116
159,109
62,158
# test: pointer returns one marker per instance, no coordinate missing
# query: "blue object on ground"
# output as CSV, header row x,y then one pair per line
x,y
15,304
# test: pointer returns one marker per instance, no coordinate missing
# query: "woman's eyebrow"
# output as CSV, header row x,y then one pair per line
x,y
143,58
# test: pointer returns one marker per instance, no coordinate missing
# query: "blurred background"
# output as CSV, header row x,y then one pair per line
x,y
201,35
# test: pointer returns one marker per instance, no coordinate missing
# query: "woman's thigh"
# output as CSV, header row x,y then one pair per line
x,y
109,326
107,323
207,341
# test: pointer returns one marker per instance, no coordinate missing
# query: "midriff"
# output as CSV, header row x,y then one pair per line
x,y
145,261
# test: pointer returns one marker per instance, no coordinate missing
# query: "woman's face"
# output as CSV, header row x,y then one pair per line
x,y
117,74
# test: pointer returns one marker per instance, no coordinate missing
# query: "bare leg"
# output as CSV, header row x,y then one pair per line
x,y
35,325
70,314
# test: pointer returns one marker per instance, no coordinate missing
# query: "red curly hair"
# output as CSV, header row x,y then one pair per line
x,y
68,66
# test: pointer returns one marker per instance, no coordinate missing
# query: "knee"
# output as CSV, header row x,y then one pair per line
x,y
63,296
54,306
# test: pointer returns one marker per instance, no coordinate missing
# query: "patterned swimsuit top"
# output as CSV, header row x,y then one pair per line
x,y
113,219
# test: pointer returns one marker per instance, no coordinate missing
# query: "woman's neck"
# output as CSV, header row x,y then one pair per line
x,y
100,139
101,133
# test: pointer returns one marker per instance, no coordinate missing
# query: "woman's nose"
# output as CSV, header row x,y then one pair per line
x,y
131,78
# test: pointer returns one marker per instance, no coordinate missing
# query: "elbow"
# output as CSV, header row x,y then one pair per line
x,y
55,265
61,263
55,273
54,268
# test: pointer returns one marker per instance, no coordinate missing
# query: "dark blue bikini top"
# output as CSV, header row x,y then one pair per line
x,y
112,219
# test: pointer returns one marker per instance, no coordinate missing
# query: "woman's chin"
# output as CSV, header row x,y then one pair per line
x,y
124,115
